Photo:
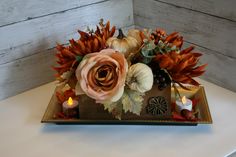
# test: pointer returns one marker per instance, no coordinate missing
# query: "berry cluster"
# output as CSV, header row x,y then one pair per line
x,y
161,78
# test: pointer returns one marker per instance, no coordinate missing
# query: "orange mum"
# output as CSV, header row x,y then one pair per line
x,y
69,56
182,66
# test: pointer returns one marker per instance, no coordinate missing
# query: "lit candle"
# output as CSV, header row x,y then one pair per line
x,y
70,107
185,103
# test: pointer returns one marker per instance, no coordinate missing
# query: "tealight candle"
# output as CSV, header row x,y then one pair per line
x,y
184,103
70,107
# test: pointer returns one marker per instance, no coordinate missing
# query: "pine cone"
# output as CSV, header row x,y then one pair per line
x,y
182,66
68,56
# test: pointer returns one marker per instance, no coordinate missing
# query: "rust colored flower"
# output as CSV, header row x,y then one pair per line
x,y
101,75
182,66
68,56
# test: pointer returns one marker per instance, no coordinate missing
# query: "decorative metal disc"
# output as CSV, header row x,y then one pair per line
x,y
157,105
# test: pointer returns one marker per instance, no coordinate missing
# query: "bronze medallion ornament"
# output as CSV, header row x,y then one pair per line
x,y
157,105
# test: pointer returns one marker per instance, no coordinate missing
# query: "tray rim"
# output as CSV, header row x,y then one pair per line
x,y
130,122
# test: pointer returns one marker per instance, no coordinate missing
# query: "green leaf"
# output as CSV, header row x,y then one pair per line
x,y
132,101
174,47
161,44
146,60
167,49
148,52
79,58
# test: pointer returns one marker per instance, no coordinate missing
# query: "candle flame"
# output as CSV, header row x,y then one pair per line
x,y
184,100
70,101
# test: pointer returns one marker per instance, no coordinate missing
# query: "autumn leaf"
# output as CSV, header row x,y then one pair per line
x,y
115,108
132,101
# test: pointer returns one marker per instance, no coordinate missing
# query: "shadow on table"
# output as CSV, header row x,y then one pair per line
x,y
128,135
117,129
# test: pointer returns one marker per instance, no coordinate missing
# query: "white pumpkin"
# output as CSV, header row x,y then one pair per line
x,y
123,44
139,77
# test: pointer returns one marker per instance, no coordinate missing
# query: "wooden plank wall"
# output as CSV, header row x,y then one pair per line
x,y
29,31
210,25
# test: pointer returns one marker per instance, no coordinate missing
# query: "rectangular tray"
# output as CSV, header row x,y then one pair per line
x,y
196,92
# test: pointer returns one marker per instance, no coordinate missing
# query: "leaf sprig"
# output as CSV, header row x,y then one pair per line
x,y
131,101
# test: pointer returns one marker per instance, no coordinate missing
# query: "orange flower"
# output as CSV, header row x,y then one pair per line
x,y
88,43
101,75
182,66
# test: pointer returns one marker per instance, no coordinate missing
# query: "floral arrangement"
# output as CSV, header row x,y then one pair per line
x,y
117,71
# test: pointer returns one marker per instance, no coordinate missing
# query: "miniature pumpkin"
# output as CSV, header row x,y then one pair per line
x,y
123,44
135,33
139,77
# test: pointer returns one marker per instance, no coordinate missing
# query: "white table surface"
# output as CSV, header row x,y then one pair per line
x,y
22,134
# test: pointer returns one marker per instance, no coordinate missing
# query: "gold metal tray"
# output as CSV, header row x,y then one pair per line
x,y
196,92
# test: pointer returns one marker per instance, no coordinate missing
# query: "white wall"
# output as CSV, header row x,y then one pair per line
x,y
29,30
210,25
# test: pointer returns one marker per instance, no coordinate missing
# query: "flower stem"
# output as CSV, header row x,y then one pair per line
x,y
176,91
121,34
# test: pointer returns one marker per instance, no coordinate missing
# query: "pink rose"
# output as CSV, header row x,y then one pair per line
x,y
101,75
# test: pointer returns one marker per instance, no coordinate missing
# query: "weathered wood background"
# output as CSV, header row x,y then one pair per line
x,y
29,30
210,25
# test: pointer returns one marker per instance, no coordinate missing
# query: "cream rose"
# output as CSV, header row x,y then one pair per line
x,y
101,75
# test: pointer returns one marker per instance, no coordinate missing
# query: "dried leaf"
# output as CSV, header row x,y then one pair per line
x,y
178,42
109,106
182,65
200,68
117,112
60,97
182,86
187,50
81,46
115,108
132,101
196,54
67,53
172,36
66,75
196,74
83,35
164,64
112,32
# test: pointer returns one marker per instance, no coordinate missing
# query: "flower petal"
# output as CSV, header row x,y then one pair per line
x,y
118,94
108,86
78,89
